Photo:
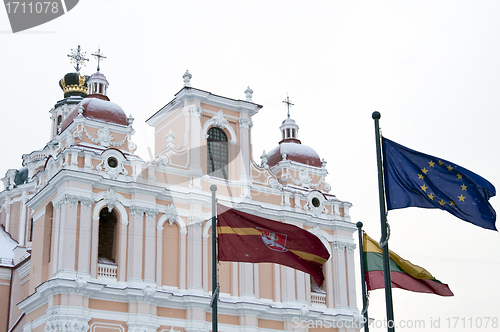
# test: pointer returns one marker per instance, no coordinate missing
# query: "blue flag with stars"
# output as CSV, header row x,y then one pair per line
x,y
417,179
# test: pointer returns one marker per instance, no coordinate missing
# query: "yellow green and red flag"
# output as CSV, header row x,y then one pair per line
x,y
404,274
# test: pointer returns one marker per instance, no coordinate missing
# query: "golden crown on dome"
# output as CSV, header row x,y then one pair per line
x,y
74,82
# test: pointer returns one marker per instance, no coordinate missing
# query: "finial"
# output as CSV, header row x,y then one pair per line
x,y
130,120
98,55
187,78
264,158
248,93
78,57
288,104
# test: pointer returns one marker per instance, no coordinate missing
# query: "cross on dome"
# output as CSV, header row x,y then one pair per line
x,y
98,55
288,104
78,57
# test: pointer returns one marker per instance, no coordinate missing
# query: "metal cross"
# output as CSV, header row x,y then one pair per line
x,y
288,104
78,57
98,55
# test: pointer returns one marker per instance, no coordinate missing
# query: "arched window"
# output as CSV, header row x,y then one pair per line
x,y
107,236
217,153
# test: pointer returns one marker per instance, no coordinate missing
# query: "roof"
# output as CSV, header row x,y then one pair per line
x,y
7,246
296,152
97,107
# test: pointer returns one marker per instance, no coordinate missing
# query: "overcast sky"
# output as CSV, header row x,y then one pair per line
x,y
431,68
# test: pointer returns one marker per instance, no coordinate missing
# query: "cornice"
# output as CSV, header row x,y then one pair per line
x,y
175,299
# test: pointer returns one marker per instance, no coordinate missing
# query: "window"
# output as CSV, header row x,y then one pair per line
x,y
217,153
107,235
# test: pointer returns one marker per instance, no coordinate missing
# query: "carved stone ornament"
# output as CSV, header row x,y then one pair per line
x,y
111,199
105,138
171,214
170,139
305,180
113,172
342,246
187,78
275,184
248,94
142,327
73,201
219,120
245,123
151,213
264,158
66,323
137,210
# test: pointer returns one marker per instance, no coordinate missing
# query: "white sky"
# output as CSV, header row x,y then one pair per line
x,y
431,68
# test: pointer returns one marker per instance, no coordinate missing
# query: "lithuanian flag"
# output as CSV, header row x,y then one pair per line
x,y
404,274
243,237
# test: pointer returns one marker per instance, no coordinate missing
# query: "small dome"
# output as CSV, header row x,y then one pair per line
x,y
289,121
295,152
74,84
98,75
21,176
97,107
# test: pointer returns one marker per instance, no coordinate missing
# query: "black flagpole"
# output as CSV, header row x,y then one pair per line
x,y
215,286
363,282
383,225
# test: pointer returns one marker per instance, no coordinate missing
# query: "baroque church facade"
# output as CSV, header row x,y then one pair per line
x,y
94,238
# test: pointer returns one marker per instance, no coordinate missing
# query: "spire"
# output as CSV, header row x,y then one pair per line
x,y
289,129
98,55
288,104
78,57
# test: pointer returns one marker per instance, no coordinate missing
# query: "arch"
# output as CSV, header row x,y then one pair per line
x,y
174,219
116,204
323,236
216,122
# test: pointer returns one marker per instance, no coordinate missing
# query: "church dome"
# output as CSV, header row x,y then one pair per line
x,y
292,147
74,84
97,107
295,152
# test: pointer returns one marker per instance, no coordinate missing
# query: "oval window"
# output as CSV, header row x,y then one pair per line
x,y
315,202
112,162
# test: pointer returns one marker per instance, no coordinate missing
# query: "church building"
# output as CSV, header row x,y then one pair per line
x,y
95,238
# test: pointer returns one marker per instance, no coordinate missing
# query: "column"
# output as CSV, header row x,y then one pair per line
x,y
339,274
150,245
135,247
194,256
246,280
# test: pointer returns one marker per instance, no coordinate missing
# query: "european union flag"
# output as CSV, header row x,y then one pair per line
x,y
417,179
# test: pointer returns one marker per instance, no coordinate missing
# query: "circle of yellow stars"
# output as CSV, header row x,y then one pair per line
x,y
431,196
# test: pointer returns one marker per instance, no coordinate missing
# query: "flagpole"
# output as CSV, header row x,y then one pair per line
x,y
364,312
383,225
215,288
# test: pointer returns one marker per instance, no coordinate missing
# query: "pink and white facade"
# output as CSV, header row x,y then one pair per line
x,y
95,238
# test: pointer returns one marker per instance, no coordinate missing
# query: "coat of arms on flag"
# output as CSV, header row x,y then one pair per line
x,y
272,240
